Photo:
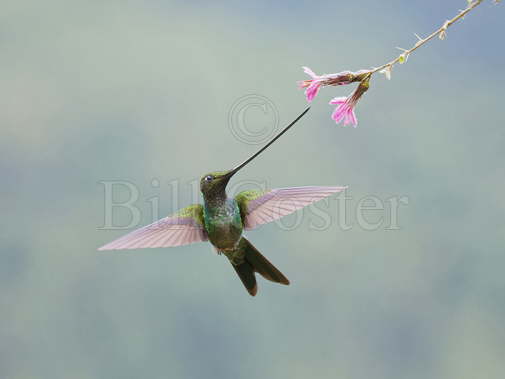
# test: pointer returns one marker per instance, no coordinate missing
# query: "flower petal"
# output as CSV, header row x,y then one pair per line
x,y
339,113
338,100
312,91
303,83
344,112
354,120
309,72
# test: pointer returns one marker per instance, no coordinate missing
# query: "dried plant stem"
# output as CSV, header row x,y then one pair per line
x,y
421,41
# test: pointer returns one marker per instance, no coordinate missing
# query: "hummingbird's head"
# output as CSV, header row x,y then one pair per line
x,y
214,183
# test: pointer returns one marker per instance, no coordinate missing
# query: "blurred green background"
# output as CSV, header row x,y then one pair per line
x,y
139,90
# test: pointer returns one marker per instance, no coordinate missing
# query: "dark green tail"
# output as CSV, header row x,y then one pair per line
x,y
253,262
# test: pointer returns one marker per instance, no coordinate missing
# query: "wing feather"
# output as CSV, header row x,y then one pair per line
x,y
261,207
182,228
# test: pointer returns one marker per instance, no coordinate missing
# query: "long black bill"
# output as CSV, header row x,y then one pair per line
x,y
234,171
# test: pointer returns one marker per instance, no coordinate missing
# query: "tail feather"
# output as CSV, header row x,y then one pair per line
x,y
262,266
246,275
253,261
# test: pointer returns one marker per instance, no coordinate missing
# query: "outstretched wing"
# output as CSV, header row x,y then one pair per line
x,y
261,207
182,228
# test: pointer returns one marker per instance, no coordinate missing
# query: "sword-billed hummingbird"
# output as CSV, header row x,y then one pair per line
x,y
222,220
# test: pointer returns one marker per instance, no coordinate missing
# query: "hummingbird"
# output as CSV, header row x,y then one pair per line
x,y
221,220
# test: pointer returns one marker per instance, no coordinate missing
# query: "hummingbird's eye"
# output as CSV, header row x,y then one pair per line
x,y
209,178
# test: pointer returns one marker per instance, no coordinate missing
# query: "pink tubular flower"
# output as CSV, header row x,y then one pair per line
x,y
312,85
345,105
344,111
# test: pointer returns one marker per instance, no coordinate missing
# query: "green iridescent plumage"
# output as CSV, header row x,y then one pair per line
x,y
194,211
224,219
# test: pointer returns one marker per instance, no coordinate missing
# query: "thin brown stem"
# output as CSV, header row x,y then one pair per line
x,y
421,41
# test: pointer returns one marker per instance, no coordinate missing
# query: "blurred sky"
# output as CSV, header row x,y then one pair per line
x,y
133,91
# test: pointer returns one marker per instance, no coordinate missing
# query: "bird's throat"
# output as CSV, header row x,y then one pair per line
x,y
215,196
